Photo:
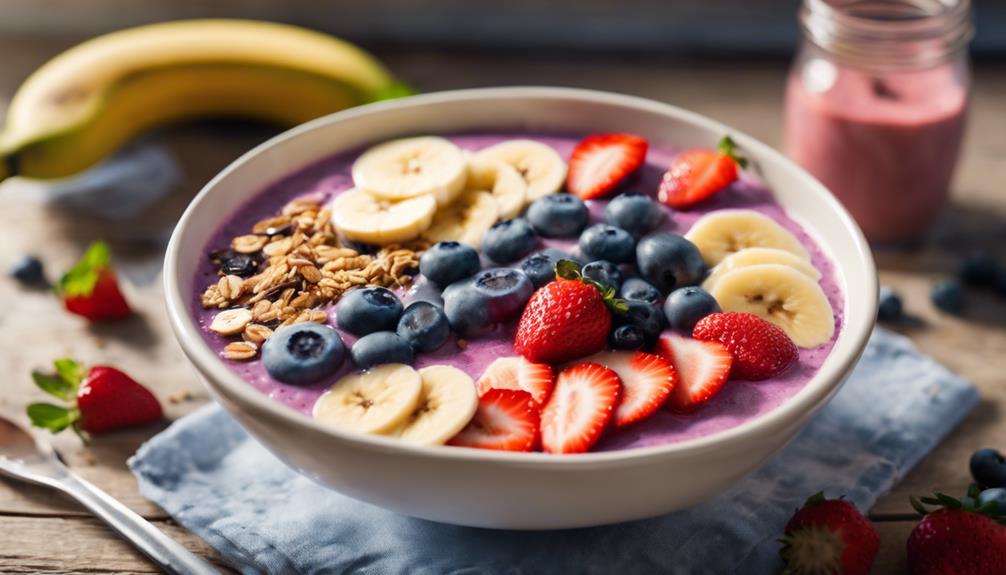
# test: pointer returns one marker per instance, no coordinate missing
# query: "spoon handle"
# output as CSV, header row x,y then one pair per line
x,y
167,553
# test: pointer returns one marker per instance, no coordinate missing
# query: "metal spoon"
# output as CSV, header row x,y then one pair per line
x,y
28,459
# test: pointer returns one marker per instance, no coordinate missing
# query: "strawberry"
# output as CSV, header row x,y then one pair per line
x,y
959,538
518,373
566,318
761,349
647,381
601,162
90,289
829,536
582,404
103,398
698,174
702,367
506,420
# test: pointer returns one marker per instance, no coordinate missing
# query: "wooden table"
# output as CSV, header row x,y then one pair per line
x,y
43,532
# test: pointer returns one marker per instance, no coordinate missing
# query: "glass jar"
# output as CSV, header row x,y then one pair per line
x,y
875,106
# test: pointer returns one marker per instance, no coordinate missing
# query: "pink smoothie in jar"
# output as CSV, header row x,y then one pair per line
x,y
875,107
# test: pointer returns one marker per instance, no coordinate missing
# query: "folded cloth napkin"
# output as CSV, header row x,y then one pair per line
x,y
264,518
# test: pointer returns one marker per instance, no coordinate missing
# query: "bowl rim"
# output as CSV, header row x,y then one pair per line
x,y
830,376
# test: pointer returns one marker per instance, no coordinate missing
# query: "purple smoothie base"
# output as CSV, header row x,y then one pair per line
x,y
737,403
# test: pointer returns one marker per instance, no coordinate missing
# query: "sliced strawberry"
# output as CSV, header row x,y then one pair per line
x,y
91,289
518,373
582,403
601,162
506,420
702,367
761,349
695,175
647,381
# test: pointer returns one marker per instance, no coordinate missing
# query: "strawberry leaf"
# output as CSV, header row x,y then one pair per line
x,y
567,269
51,417
729,147
815,499
70,371
83,276
54,385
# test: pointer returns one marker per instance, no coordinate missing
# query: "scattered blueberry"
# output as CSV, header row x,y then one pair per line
x,y
447,262
889,306
639,289
604,242
233,263
303,353
1000,283
506,291
988,467
979,269
686,306
366,310
381,347
646,316
997,494
669,261
948,295
466,310
627,337
509,240
605,273
424,326
27,269
558,216
634,213
540,266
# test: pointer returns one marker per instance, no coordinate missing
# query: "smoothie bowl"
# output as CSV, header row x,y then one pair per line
x,y
520,308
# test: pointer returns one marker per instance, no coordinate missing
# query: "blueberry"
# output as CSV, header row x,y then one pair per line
x,y
988,467
509,240
997,494
540,266
381,347
668,261
506,291
634,213
686,306
558,216
889,305
27,269
605,273
467,310
979,269
604,242
627,337
948,295
1000,283
303,353
447,262
646,316
424,326
366,310
639,289
232,263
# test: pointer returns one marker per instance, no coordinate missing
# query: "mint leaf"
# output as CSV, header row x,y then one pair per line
x,y
51,417
83,276
70,371
54,385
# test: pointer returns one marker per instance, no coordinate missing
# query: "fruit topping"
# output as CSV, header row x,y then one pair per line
x,y
979,269
995,496
580,408
702,367
539,164
501,180
424,326
639,289
988,468
465,220
27,270
506,420
760,350
366,310
634,213
604,242
602,162
647,381
411,167
446,404
509,240
379,348
948,295
558,216
699,174
303,353
758,256
958,537
604,273
889,306
829,536
669,261
540,266
685,306
362,216
375,401
520,374
447,262
723,232
646,316
627,337
90,289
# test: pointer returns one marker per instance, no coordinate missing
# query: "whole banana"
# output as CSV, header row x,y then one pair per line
x,y
87,102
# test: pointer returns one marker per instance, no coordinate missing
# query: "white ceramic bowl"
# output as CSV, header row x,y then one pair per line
x,y
518,490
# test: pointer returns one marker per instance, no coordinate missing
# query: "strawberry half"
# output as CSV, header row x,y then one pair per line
x,y
102,398
601,162
958,538
520,374
698,174
506,420
829,536
91,289
647,381
583,402
761,349
702,367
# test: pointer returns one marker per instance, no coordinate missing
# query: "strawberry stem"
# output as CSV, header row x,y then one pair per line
x,y
728,147
570,270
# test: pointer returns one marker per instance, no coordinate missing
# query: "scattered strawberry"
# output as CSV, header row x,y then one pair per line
x,y
567,318
506,420
90,289
702,367
698,174
601,162
958,538
521,374
647,381
103,398
583,402
761,349
829,536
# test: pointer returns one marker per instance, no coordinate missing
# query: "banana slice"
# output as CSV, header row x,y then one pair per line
x,y
363,217
757,256
781,295
466,220
721,233
502,181
410,167
540,166
375,401
447,403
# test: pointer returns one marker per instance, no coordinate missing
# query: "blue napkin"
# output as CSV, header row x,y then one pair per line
x,y
264,518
